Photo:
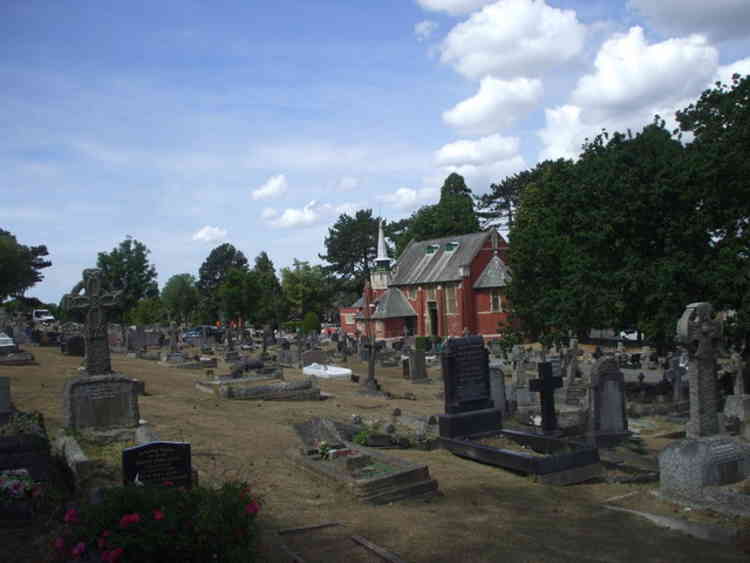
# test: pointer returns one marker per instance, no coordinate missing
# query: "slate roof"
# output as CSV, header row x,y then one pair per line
x,y
392,304
415,266
495,274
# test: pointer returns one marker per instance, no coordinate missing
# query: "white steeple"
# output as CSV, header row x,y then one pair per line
x,y
380,276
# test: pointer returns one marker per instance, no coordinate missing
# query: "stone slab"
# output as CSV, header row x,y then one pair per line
x,y
100,402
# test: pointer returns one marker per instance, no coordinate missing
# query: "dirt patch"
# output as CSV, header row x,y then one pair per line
x,y
485,513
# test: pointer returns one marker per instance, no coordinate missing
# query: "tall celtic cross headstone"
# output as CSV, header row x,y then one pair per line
x,y
95,301
700,333
545,386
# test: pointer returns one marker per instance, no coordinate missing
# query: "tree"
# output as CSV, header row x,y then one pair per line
x,y
212,273
310,323
269,307
307,288
238,294
127,268
20,265
351,247
717,168
180,296
147,311
498,206
452,215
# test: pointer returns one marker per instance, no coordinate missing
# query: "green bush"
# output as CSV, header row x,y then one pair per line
x,y
311,323
361,437
420,343
150,524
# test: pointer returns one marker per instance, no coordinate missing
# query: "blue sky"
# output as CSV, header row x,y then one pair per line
x,y
188,124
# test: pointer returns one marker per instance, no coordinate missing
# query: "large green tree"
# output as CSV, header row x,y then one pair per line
x,y
127,268
269,308
351,247
180,297
308,288
211,275
20,265
717,170
238,295
498,206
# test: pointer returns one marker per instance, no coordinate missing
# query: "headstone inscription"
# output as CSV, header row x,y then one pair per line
x,y
545,386
468,400
96,301
607,418
158,463
100,402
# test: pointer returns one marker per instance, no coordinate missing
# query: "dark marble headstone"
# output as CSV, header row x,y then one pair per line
x,y
158,463
74,345
468,402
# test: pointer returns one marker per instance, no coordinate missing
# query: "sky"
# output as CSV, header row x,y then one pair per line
x,y
187,124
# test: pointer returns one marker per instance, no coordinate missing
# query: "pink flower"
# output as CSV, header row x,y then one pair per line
x,y
79,549
158,514
112,556
59,544
252,508
71,516
168,484
129,519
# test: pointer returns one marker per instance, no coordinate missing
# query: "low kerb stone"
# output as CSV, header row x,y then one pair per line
x,y
100,402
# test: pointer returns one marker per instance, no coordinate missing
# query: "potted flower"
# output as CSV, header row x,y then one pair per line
x,y
17,493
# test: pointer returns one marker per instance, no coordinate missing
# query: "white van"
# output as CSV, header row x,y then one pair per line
x,y
41,316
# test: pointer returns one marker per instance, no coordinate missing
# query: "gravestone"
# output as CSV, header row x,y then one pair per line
x,y
468,399
676,374
417,366
571,366
704,458
173,355
738,405
314,357
230,353
5,404
497,386
607,419
545,386
100,402
95,301
158,463
74,345
556,363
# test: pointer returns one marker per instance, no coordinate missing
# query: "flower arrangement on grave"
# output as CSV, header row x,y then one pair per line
x,y
30,423
164,524
17,484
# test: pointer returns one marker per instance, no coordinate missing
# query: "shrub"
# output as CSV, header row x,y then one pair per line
x,y
150,524
311,323
420,343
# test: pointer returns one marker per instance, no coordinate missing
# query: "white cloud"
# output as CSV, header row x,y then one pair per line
x,y
273,187
309,215
632,82
210,234
718,19
486,150
453,7
496,105
724,74
408,199
268,213
513,38
347,183
631,74
424,29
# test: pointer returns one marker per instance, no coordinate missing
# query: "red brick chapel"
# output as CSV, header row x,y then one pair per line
x,y
437,287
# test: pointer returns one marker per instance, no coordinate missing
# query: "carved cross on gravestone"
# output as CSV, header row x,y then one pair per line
x,y
96,301
545,386
700,333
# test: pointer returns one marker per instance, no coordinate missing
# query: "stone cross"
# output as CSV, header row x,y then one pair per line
x,y
96,301
700,333
545,386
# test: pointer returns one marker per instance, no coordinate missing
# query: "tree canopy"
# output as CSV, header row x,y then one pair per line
x,y
20,265
180,296
127,268
211,275
270,306
351,247
307,288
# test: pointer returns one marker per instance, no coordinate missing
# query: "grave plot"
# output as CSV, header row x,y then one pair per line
x,y
472,427
367,474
